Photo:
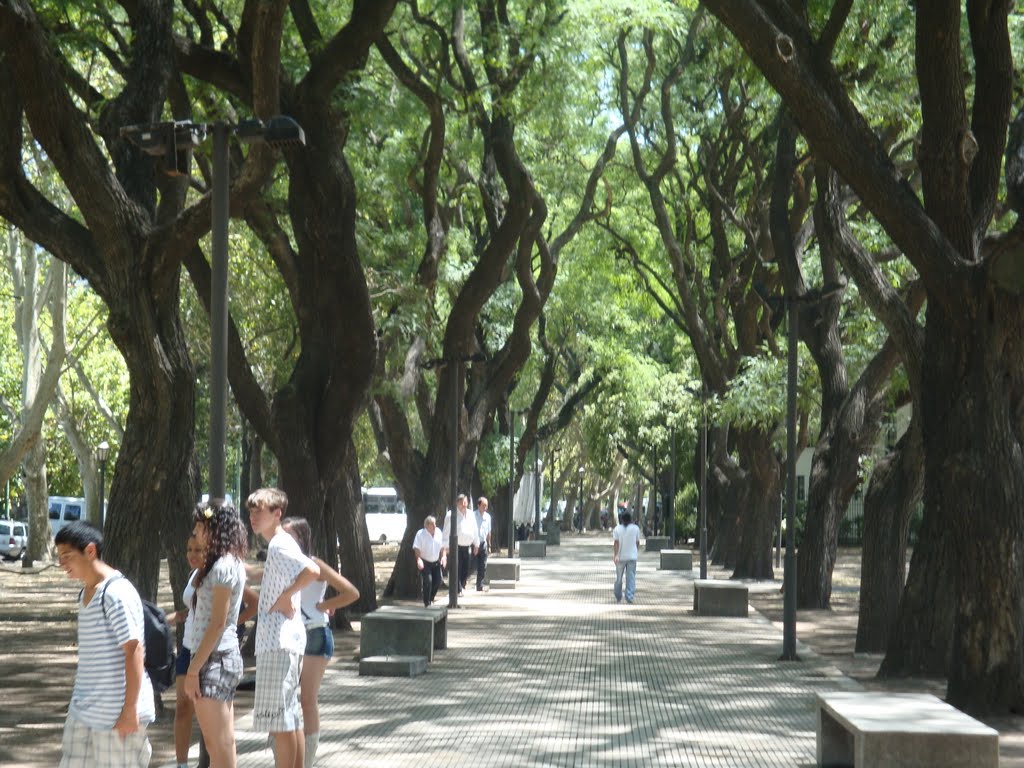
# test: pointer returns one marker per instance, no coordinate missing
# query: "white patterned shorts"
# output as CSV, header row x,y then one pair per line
x,y
276,707
84,747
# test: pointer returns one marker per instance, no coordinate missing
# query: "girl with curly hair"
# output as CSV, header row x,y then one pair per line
x,y
316,615
216,665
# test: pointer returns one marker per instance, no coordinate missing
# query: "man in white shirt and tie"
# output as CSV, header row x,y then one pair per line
x,y
469,537
483,525
431,552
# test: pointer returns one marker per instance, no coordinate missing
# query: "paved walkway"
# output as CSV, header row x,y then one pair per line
x,y
556,673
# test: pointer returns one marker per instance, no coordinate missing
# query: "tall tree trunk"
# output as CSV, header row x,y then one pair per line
x,y
355,556
980,495
760,510
154,482
894,491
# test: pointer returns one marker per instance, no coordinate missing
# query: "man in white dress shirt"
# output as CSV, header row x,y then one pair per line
x,y
469,537
431,552
483,525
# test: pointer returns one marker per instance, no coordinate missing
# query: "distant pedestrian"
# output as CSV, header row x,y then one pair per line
x,y
431,551
280,633
626,545
215,668
468,537
112,700
316,616
483,526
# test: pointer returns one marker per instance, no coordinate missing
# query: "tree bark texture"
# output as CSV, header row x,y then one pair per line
x,y
894,491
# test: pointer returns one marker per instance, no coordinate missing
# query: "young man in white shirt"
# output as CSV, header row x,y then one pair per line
x,y
431,553
469,537
483,524
626,545
112,701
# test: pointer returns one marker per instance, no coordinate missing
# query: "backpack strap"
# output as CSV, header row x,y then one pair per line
x,y
103,597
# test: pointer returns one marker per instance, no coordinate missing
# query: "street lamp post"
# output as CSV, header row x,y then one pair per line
x,y
511,482
170,140
671,506
789,572
102,454
654,492
581,471
536,489
703,484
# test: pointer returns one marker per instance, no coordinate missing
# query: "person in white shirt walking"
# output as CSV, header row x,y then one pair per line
x,y
469,537
626,545
112,701
431,555
483,525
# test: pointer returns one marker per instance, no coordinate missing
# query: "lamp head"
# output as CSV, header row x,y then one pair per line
x,y
278,131
103,451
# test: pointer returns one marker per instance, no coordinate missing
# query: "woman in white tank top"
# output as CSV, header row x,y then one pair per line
x,y
316,615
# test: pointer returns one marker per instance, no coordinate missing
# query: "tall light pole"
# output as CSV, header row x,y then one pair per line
x,y
102,454
671,506
654,491
702,460
581,471
172,140
536,489
511,482
789,572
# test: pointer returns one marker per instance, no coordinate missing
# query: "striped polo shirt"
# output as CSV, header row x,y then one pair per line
x,y
98,695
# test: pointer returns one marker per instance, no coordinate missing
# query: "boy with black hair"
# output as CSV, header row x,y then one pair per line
x,y
626,551
112,700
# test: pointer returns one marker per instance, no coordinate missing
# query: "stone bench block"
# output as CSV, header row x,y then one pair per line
x,y
533,549
392,666
865,729
394,633
502,584
439,613
719,598
657,543
506,569
676,560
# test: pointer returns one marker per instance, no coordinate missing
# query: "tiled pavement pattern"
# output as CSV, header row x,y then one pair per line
x,y
556,673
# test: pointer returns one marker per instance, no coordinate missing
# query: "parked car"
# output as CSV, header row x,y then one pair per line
x,y
13,539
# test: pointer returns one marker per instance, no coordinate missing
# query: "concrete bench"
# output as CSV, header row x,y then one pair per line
x,y
676,560
717,597
498,585
657,543
871,729
439,613
504,569
392,666
533,549
396,633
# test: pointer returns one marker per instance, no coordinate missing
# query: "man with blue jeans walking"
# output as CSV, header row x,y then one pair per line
x,y
626,543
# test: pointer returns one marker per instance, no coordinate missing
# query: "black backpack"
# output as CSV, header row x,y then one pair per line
x,y
158,638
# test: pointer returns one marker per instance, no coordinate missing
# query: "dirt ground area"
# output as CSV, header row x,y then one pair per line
x,y
37,656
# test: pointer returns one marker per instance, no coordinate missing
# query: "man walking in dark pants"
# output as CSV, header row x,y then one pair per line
x,y
483,526
431,554
468,536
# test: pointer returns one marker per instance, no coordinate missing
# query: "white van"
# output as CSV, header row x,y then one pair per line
x,y
385,515
65,509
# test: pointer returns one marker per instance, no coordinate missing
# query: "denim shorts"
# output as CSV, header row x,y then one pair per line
x,y
182,662
319,642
